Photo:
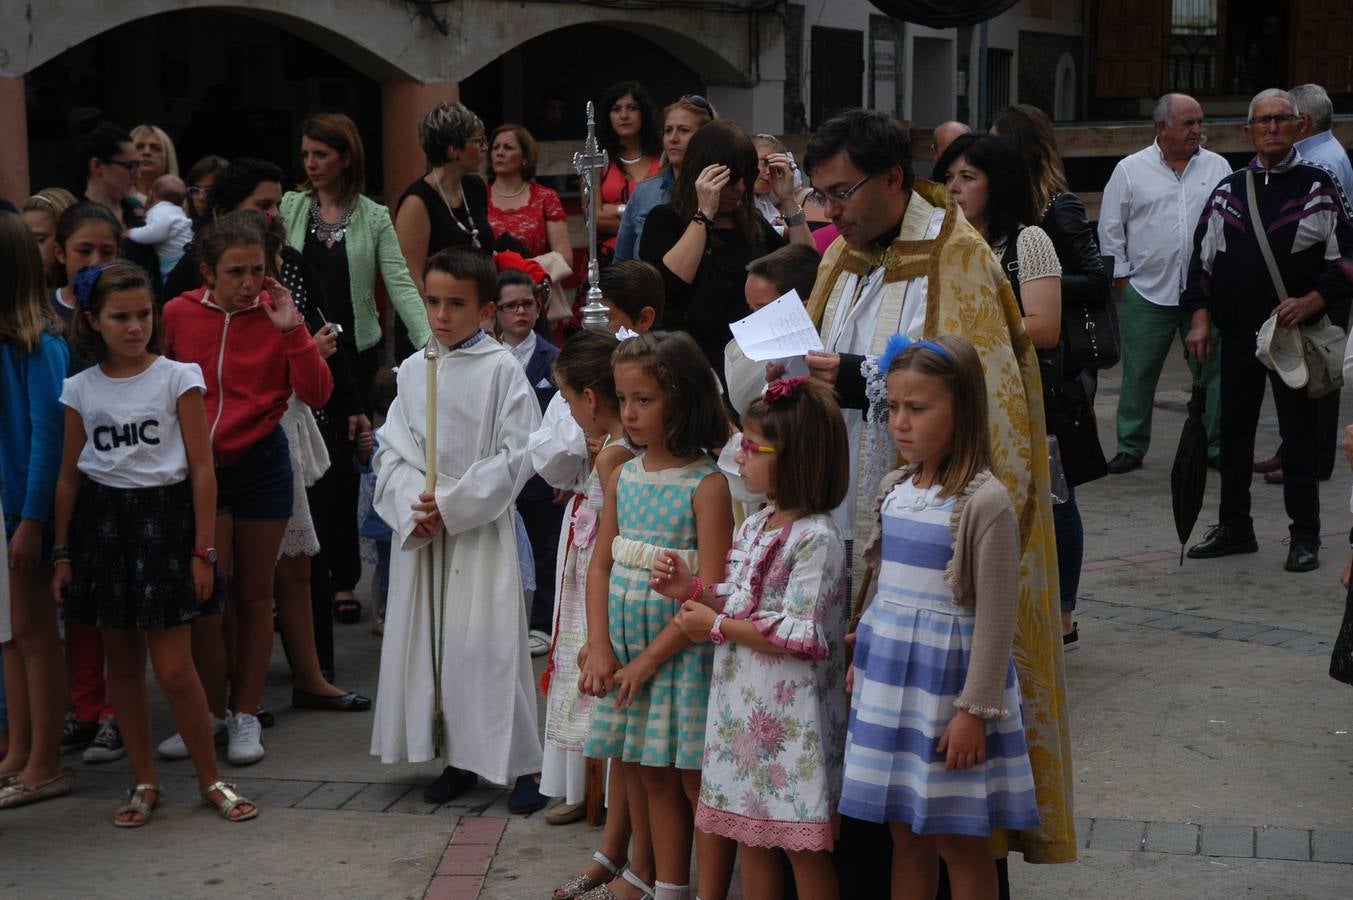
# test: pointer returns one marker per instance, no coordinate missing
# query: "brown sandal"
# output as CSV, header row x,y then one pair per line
x,y
229,801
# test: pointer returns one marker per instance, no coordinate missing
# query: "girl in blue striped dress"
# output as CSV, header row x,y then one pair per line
x,y
936,743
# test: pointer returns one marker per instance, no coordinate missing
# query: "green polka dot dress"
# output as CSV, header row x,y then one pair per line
x,y
665,725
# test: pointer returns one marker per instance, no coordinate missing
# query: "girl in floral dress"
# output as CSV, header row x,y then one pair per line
x,y
776,728
652,683
583,372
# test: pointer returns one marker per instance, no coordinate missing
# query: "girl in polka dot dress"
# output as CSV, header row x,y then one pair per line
x,y
651,681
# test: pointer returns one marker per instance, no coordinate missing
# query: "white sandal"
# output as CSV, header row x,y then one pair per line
x,y
229,800
581,884
136,803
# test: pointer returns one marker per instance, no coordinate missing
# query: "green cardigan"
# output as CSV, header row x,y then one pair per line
x,y
372,245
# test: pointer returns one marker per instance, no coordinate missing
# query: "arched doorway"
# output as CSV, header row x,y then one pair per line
x,y
1064,89
217,82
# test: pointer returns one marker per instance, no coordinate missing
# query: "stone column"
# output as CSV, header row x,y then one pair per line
x,y
13,141
402,104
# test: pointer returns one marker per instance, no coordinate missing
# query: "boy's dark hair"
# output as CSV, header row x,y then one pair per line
x,y
812,453
631,285
466,264
238,229
873,141
696,419
585,362
513,276
237,181
114,277
792,267
1009,193
381,392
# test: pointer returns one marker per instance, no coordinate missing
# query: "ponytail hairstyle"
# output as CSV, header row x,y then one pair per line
x,y
24,311
803,422
585,362
954,362
696,420
93,286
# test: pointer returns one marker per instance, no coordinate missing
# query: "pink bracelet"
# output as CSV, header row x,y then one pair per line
x,y
699,589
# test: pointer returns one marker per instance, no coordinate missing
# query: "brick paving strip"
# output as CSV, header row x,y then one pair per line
x,y
1206,626
1234,841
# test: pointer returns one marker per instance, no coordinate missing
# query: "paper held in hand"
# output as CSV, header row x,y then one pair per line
x,y
778,331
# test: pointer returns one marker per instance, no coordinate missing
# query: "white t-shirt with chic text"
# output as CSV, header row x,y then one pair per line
x,y
132,434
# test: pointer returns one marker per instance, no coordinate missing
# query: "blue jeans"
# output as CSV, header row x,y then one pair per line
x,y
1070,534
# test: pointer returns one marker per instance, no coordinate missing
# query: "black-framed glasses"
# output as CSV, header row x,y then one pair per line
x,y
131,165
1265,121
697,100
822,198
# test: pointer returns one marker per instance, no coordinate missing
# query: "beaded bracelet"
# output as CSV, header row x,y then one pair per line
x,y
702,219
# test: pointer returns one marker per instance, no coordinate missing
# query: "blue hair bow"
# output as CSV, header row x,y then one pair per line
x,y
85,279
900,342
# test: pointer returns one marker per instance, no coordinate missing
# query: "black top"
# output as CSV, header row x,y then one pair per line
x,y
307,290
443,231
331,265
704,307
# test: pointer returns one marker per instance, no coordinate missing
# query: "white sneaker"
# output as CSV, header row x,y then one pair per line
x,y
244,747
539,642
173,747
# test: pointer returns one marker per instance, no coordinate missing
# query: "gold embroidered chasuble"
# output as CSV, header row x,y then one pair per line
x,y
967,294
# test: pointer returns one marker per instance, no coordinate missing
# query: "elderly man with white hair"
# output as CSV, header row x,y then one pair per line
x,y
1150,208
1294,207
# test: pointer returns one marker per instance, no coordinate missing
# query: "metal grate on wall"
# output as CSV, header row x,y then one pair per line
x,y
999,64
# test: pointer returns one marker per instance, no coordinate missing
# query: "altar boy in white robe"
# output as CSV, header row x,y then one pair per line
x,y
455,673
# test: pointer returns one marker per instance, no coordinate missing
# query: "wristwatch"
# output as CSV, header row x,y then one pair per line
x,y
207,555
716,635
797,218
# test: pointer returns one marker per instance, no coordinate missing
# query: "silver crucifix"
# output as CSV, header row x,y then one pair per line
x,y
589,164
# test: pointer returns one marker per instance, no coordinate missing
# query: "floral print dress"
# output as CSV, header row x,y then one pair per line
x,y
776,727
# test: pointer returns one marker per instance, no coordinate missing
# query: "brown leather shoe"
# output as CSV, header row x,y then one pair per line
x,y
1264,466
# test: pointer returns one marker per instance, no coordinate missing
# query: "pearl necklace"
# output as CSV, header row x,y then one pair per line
x,y
630,162
499,192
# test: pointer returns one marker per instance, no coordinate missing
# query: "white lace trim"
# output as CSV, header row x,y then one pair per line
x,y
875,390
1037,256
642,555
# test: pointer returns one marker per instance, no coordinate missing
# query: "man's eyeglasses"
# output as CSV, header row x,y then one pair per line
x,y
131,165
748,448
1265,121
516,306
822,198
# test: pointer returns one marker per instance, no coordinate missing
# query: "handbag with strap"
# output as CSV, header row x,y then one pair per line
x,y
1322,342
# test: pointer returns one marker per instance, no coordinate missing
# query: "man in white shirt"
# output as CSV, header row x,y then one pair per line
x,y
1147,218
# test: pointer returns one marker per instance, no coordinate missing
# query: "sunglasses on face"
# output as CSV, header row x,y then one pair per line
x,y
748,448
131,165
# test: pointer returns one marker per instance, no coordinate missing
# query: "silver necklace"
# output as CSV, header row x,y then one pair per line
x,y
472,230
630,162
329,232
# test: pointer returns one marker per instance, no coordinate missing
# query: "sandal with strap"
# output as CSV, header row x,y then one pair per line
x,y
229,801
136,803
604,892
581,883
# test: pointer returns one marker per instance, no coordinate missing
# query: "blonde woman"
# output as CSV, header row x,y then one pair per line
x,y
158,158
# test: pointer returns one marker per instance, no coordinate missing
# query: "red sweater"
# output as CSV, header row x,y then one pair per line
x,y
250,368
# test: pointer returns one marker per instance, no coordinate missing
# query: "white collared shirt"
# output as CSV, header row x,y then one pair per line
x,y
522,352
1148,215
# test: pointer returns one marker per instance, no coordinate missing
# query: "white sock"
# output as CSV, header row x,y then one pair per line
x,y
664,891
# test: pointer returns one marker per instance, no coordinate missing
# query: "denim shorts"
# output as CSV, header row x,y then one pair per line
x,y
258,484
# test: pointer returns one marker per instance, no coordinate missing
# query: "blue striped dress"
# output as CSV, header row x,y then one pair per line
x,y
911,661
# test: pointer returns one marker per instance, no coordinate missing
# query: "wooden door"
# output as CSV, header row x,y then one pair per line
x,y
837,72
1130,50
1322,44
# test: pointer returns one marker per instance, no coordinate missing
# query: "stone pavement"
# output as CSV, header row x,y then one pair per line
x,y
1213,755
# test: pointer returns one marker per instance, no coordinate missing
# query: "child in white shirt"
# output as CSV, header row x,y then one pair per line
x,y
167,227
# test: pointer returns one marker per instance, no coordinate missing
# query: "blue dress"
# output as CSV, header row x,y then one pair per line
x,y
911,661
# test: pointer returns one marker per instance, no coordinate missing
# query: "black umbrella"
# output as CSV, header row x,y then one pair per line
x,y
1188,477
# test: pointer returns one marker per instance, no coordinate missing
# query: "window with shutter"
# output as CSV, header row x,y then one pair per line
x,y
1322,44
1130,49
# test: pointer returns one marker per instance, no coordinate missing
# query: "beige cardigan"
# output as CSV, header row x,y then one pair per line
x,y
983,573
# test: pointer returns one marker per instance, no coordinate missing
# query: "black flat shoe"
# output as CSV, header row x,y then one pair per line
x,y
1122,463
349,702
1302,556
526,797
449,785
1222,540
